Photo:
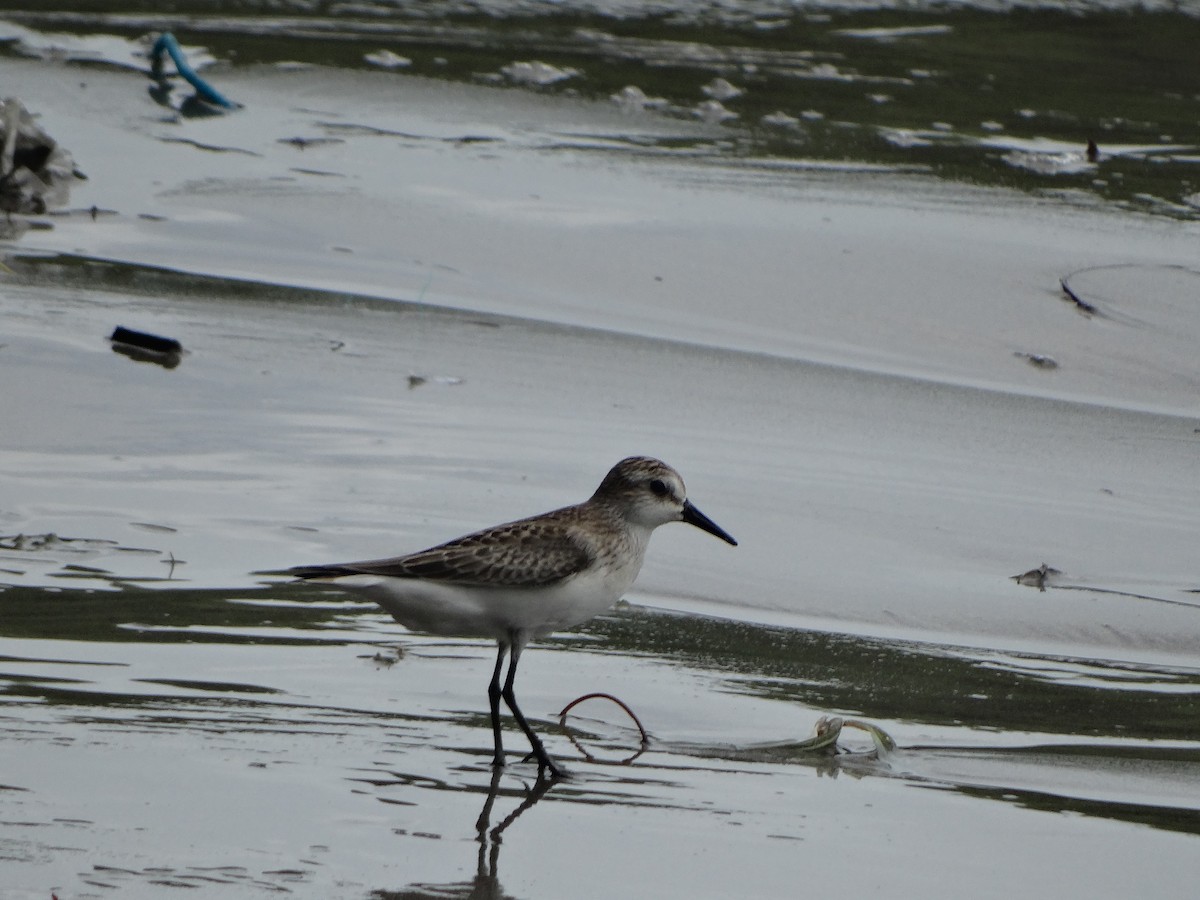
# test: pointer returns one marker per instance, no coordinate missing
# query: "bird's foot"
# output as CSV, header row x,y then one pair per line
x,y
547,765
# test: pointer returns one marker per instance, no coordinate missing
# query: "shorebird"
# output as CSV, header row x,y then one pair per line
x,y
526,579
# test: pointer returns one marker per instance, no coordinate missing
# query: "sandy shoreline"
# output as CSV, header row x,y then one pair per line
x,y
554,209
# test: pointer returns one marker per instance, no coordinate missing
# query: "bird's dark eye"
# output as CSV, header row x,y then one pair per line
x,y
659,487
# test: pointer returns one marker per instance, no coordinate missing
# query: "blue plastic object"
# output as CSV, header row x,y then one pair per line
x,y
166,43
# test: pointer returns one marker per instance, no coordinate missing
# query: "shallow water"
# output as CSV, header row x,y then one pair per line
x,y
247,743
412,305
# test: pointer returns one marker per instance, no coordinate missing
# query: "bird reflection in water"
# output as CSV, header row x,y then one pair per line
x,y
486,883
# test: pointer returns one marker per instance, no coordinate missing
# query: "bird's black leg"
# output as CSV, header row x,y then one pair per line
x,y
494,693
543,758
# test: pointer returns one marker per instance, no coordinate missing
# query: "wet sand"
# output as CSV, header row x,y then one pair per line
x,y
414,332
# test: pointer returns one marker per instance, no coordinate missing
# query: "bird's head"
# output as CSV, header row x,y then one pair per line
x,y
648,492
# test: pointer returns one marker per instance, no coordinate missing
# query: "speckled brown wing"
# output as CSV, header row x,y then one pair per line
x,y
527,553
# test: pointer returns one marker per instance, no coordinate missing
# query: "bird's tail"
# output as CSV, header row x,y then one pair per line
x,y
308,573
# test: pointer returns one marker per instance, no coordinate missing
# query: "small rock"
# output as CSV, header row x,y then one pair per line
x,y
1038,360
720,89
386,59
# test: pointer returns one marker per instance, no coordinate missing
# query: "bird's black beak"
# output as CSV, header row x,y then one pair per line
x,y
693,516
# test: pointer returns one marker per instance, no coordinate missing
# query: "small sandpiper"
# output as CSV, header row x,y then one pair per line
x,y
526,579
